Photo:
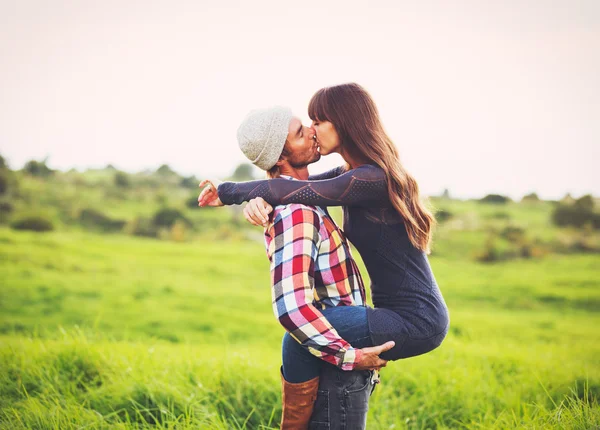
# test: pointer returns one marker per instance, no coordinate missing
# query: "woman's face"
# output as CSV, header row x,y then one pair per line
x,y
328,140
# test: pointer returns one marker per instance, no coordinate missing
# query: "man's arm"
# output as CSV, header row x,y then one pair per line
x,y
293,252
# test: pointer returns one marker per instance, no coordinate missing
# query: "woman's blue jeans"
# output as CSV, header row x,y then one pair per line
x,y
299,365
343,397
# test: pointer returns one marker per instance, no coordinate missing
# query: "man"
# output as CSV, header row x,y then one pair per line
x,y
312,274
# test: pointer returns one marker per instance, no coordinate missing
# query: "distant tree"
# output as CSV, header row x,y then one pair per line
x,y
532,197
567,199
4,181
7,179
37,168
189,182
585,203
446,194
243,172
6,208
164,170
110,167
122,180
576,214
495,198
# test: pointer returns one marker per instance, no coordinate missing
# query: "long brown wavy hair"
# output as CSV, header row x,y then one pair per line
x,y
355,118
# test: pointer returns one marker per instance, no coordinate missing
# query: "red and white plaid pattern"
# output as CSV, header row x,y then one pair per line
x,y
312,269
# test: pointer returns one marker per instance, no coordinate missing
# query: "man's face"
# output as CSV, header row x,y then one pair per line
x,y
301,144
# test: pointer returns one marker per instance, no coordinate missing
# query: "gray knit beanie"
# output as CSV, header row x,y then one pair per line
x,y
262,135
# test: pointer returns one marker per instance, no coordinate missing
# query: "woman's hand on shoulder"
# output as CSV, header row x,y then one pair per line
x,y
209,196
257,211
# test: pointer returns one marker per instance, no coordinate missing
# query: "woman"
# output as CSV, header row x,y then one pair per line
x,y
383,218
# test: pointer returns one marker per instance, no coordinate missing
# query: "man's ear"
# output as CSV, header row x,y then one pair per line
x,y
282,159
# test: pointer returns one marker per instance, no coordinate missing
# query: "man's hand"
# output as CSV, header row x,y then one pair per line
x,y
370,358
209,195
257,211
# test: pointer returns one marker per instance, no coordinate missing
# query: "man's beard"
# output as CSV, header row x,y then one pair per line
x,y
297,164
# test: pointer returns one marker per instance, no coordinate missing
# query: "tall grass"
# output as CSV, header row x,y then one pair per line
x,y
121,332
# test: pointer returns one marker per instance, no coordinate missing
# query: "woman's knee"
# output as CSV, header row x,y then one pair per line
x,y
299,365
290,345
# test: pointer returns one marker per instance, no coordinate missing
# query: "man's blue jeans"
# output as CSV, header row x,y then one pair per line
x,y
343,396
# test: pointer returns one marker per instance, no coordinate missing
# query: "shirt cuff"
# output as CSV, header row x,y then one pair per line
x,y
351,358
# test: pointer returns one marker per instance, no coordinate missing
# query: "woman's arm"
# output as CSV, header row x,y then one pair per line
x,y
328,174
364,186
209,196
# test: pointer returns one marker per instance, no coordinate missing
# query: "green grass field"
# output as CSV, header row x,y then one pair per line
x,y
111,331
118,331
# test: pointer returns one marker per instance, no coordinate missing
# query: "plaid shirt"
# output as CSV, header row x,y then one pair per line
x,y
312,269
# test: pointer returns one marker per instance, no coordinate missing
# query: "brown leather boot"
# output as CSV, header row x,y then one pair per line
x,y
298,403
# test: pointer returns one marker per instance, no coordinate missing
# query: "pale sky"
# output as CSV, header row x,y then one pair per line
x,y
479,96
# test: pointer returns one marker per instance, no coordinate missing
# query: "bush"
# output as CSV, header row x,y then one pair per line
x,y
441,215
585,203
582,241
576,214
533,197
38,168
166,217
495,198
161,197
178,232
141,227
92,218
192,202
34,223
513,234
4,181
6,208
115,193
500,215
9,184
489,253
583,245
122,180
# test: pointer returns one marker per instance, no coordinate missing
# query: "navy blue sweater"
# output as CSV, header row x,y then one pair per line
x,y
401,277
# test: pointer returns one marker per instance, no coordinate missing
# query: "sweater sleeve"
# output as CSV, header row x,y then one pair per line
x,y
364,186
328,174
